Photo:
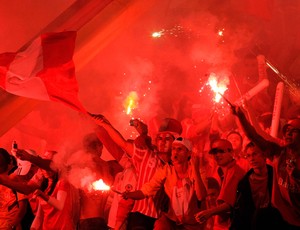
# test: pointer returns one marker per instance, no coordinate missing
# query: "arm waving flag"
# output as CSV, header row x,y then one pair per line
x,y
44,70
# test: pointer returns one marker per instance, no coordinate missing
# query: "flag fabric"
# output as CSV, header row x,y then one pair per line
x,y
44,70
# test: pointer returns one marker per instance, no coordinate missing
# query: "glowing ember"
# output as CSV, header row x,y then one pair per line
x,y
221,32
99,185
219,86
131,102
157,34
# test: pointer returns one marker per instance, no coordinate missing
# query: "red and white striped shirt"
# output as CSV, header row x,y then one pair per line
x,y
146,162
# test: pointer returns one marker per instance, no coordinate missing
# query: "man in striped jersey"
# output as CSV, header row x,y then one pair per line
x,y
146,158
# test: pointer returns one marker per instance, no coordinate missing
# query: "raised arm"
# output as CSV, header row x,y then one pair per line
x,y
57,202
203,216
38,220
19,186
135,195
150,188
36,160
199,185
253,120
252,134
113,133
113,148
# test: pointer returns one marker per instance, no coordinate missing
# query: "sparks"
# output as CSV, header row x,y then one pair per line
x,y
175,31
219,87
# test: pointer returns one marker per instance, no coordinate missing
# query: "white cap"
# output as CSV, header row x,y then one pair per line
x,y
185,142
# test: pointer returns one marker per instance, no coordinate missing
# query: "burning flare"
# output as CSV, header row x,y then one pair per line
x,y
218,85
131,102
99,185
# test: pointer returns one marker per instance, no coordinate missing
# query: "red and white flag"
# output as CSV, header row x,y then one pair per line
x,y
44,70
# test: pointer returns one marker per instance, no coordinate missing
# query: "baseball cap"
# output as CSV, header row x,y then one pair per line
x,y
170,125
185,142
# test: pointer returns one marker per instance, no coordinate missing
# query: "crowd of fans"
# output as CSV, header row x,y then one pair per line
x,y
238,180
189,175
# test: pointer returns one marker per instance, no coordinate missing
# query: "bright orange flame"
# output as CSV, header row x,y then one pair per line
x,y
129,106
131,102
100,186
219,86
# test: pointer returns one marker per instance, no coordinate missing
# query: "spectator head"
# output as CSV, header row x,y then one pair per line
x,y
265,121
291,132
236,140
255,156
92,144
7,161
50,155
168,131
212,183
185,142
222,151
213,188
181,150
170,125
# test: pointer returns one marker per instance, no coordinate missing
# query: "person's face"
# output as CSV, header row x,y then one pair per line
x,y
235,140
222,155
180,154
255,158
164,142
213,194
292,136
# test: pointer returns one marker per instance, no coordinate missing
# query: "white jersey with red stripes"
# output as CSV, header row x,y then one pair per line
x,y
146,162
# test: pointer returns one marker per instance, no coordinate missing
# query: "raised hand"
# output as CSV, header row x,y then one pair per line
x,y
195,161
203,216
141,127
39,193
99,119
23,155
